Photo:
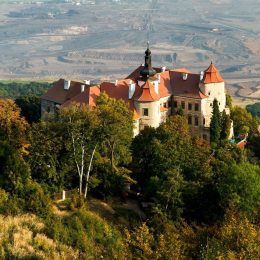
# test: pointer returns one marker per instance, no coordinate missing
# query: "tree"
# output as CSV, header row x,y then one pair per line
x,y
254,109
30,108
47,155
12,126
239,188
243,121
215,123
81,125
226,126
173,169
116,128
229,101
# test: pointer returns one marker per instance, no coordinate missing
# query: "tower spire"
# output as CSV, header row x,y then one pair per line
x,y
148,70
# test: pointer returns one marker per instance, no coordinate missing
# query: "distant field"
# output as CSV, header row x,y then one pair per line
x,y
243,102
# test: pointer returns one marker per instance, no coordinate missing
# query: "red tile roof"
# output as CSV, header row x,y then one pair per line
x,y
186,88
59,95
184,70
88,97
146,93
212,75
165,88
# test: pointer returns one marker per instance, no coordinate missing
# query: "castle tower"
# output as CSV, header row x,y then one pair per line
x,y
213,86
147,99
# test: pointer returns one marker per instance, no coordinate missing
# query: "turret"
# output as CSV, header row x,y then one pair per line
x,y
213,86
147,99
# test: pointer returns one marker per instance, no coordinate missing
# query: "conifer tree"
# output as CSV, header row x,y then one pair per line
x,y
215,124
226,125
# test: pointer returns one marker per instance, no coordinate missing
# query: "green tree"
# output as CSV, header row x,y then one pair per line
x,y
174,169
47,155
229,101
254,109
239,188
226,126
30,108
116,128
215,123
81,126
243,121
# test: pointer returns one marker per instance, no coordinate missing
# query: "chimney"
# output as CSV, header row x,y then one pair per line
x,y
163,68
156,87
184,76
66,84
159,78
201,75
82,88
116,82
131,89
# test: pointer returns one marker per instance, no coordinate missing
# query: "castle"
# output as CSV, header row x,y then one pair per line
x,y
152,94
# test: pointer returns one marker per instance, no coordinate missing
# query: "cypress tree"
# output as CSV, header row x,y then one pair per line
x,y
226,125
215,124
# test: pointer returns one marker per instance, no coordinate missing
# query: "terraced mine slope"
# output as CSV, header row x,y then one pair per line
x,y
106,39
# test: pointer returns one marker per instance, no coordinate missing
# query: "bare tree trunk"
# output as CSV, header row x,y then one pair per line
x,y
88,172
79,169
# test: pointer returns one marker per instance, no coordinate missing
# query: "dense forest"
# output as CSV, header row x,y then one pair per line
x,y
191,199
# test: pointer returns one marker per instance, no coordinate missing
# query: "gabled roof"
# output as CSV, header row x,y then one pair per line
x,y
212,75
186,88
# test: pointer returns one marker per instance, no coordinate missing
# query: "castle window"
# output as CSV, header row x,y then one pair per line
x,y
190,106
189,119
196,121
145,112
175,103
165,105
208,93
183,104
196,107
169,103
204,121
